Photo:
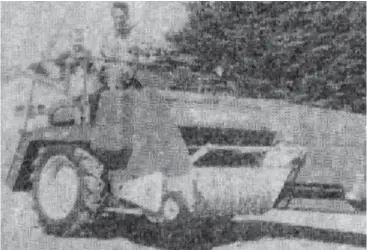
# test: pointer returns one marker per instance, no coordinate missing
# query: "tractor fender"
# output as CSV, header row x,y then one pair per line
x,y
30,143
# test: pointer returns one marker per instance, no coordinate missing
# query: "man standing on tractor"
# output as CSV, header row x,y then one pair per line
x,y
137,123
116,45
120,57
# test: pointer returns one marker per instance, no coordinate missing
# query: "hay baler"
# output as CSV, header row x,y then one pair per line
x,y
73,183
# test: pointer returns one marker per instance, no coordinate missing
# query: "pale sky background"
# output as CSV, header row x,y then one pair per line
x,y
27,27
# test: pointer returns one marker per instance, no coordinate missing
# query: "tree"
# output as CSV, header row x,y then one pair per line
x,y
305,52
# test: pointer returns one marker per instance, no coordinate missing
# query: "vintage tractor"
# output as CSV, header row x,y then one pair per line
x,y
93,173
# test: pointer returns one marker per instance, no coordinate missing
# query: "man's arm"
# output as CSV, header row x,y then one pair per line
x,y
135,52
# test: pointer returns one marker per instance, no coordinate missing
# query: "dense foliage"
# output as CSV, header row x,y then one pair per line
x,y
305,52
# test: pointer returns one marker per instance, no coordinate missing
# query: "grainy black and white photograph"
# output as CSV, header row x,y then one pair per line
x,y
183,125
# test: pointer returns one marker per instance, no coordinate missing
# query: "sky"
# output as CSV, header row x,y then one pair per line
x,y
27,27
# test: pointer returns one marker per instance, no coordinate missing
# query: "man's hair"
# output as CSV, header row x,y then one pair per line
x,y
121,5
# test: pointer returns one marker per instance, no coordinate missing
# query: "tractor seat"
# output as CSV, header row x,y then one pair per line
x,y
114,159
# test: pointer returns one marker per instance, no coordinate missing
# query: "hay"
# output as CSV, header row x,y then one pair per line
x,y
238,190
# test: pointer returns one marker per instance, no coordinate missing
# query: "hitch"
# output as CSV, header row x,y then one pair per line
x,y
315,191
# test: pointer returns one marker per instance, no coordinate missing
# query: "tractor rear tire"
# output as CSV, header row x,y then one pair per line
x,y
84,187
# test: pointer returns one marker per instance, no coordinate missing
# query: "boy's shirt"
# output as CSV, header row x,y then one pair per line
x,y
124,48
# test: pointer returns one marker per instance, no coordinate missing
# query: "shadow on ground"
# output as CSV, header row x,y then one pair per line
x,y
206,234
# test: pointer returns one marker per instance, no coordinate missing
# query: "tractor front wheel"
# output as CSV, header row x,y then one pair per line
x,y
67,188
173,211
